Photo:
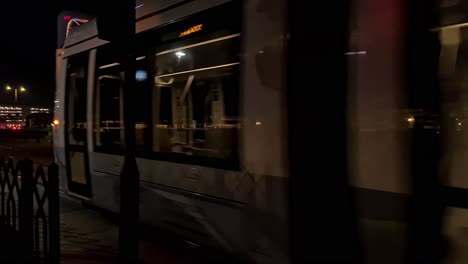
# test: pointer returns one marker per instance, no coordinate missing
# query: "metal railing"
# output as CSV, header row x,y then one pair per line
x,y
29,210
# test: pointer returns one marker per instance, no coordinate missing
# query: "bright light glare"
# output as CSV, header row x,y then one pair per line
x,y
360,52
141,75
8,88
22,89
180,54
459,124
258,123
56,122
411,119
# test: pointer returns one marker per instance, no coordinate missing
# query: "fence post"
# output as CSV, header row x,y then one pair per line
x,y
54,214
3,173
26,211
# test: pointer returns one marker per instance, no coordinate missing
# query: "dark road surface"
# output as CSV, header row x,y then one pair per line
x,y
40,152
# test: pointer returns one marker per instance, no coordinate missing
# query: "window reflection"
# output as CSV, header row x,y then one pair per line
x,y
189,106
109,119
453,68
215,52
110,125
197,94
77,96
199,113
379,125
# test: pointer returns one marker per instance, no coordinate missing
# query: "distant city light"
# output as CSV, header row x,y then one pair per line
x,y
258,123
459,124
39,110
16,114
411,119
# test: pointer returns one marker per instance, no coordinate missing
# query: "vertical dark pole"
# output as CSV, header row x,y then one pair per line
x,y
26,211
54,214
4,171
426,205
129,184
322,212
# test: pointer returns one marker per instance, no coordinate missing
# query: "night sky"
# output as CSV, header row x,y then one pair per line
x,y
27,47
28,43
28,51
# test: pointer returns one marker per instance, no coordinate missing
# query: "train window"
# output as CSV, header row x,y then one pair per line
x,y
77,96
196,99
142,113
199,56
109,133
109,126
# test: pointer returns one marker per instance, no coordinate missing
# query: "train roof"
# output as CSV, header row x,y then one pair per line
x,y
149,14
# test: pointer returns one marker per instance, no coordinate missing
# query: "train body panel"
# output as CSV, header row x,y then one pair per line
x,y
223,183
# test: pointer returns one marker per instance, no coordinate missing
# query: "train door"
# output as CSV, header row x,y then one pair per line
x,y
76,124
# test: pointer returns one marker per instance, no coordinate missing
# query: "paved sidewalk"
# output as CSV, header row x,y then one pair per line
x,y
87,236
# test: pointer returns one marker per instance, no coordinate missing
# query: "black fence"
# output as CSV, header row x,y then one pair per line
x,y
29,213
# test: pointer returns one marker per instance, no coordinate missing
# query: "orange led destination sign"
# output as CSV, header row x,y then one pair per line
x,y
191,30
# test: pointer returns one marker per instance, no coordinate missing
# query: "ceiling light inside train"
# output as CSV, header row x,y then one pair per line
x,y
180,54
109,65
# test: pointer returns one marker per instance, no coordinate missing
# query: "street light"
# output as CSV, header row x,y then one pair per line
x,y
21,90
